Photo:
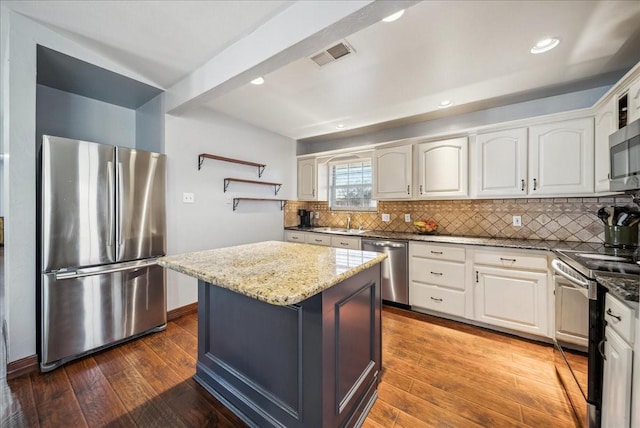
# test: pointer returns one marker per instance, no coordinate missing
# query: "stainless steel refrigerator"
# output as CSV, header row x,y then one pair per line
x,y
102,225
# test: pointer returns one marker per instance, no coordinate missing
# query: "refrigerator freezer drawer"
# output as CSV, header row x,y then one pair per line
x,y
85,313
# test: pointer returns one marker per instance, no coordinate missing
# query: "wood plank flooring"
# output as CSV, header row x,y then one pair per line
x,y
436,373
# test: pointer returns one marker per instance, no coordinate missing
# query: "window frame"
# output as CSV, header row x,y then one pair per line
x,y
331,188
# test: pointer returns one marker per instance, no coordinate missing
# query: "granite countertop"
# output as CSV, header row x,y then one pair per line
x,y
624,286
523,244
279,273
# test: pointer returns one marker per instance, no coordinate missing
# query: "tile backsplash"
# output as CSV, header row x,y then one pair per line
x,y
562,219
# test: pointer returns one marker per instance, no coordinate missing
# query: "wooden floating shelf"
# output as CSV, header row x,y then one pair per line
x,y
203,156
276,186
236,201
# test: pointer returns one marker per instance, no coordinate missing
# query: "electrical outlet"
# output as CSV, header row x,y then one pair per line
x,y
407,218
316,215
386,217
188,198
517,220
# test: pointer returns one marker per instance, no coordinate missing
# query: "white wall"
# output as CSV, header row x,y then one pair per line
x,y
210,222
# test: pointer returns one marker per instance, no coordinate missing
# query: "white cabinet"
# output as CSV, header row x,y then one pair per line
x,y
633,100
510,290
312,180
561,158
294,236
443,168
392,172
618,364
501,161
605,125
350,242
318,239
437,278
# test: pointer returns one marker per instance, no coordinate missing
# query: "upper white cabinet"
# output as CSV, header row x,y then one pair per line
x,y
633,100
605,125
312,184
443,168
392,172
561,158
501,160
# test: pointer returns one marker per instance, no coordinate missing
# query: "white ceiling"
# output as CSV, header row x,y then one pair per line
x,y
466,51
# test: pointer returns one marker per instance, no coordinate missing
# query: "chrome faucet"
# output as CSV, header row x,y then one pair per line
x,y
348,222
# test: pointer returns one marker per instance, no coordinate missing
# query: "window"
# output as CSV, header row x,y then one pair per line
x,y
350,186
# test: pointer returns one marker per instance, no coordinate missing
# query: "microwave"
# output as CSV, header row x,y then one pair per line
x,y
624,158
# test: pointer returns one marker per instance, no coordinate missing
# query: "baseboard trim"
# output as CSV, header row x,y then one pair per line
x,y
22,366
181,311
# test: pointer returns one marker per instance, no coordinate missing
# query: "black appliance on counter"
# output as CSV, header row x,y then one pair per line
x,y
305,218
580,323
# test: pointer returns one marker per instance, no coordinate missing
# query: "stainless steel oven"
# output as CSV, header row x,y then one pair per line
x,y
580,323
579,329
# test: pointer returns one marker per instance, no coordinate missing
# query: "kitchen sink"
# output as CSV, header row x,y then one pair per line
x,y
339,230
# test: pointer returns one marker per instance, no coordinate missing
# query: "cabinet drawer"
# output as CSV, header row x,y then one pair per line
x,y
438,272
318,239
440,252
345,242
511,260
619,317
293,236
437,299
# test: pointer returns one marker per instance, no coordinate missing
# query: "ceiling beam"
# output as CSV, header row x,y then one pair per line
x,y
300,30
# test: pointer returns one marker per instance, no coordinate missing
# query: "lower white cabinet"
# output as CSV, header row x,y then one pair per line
x,y
437,279
339,241
511,293
618,364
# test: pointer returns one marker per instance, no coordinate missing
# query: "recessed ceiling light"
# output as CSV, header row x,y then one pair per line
x,y
393,17
258,81
340,126
445,104
545,45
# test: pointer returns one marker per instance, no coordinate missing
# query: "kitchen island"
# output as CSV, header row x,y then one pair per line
x,y
288,334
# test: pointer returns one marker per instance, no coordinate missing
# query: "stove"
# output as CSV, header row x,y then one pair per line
x,y
580,306
602,259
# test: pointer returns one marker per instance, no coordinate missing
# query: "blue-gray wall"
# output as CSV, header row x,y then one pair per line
x,y
543,106
150,125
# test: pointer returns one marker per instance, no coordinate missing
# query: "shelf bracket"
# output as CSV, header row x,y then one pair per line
x,y
226,184
200,161
236,201
282,204
261,170
277,187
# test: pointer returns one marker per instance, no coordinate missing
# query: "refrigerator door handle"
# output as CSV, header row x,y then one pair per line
x,y
112,198
121,205
101,270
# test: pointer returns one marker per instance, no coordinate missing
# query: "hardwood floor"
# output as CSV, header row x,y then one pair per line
x,y
436,373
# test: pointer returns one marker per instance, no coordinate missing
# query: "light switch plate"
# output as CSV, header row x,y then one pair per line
x,y
386,217
407,218
188,198
517,221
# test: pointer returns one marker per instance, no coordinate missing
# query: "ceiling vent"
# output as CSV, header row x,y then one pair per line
x,y
332,54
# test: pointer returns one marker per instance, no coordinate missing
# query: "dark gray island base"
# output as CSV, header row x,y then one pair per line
x,y
312,364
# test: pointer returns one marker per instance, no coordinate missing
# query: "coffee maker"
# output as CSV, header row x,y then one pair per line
x,y
305,218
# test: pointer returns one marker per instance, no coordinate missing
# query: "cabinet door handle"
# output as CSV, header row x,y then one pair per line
x,y
313,192
421,189
318,240
437,300
535,184
601,348
436,252
436,273
523,185
408,189
508,260
344,244
611,314
477,279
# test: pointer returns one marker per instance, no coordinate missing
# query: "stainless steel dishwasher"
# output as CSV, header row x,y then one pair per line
x,y
395,280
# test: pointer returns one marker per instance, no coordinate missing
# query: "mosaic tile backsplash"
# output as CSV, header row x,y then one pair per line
x,y
557,219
